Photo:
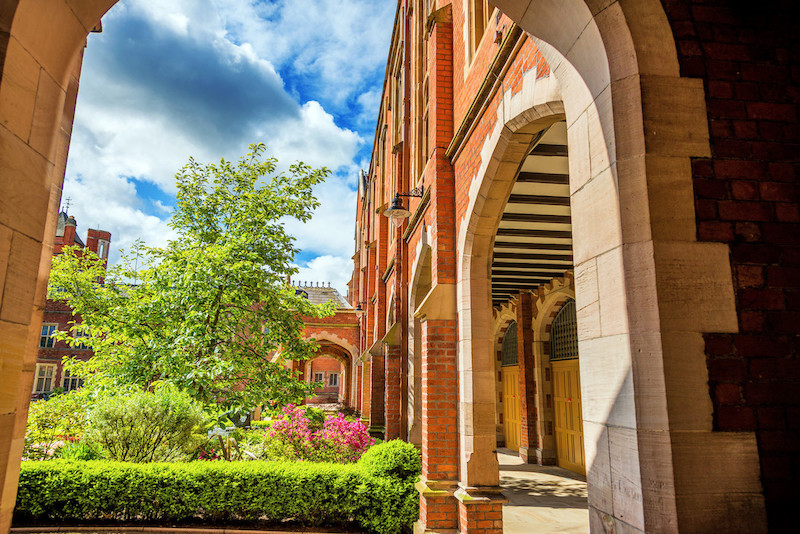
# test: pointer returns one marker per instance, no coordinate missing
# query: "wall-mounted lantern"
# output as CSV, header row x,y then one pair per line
x,y
397,212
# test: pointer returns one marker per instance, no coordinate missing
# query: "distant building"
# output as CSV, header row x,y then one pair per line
x,y
334,363
50,374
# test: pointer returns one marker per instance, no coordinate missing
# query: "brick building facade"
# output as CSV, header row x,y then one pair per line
x,y
661,273
49,373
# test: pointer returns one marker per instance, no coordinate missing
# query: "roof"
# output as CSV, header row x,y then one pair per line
x,y
320,294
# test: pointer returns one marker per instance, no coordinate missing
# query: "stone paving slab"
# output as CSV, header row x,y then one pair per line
x,y
542,499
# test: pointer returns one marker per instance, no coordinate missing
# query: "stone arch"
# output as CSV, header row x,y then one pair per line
x,y
632,124
326,337
503,316
344,357
548,300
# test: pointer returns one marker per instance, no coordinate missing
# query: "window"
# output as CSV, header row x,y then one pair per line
x,y
479,11
102,249
318,377
70,381
80,334
333,379
46,340
44,377
509,352
564,334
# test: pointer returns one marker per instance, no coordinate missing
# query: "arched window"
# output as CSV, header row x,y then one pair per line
x,y
509,350
564,334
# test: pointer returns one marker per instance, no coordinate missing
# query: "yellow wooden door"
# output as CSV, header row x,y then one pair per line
x,y
511,419
569,418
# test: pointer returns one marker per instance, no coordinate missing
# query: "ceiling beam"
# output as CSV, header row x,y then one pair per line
x,y
542,178
537,218
525,232
532,246
521,256
549,150
544,200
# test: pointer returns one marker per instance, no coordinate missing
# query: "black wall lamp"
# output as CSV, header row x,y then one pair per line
x,y
396,212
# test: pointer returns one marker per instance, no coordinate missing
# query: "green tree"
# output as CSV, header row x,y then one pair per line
x,y
210,312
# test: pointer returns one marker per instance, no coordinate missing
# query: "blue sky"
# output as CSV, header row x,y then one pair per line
x,y
204,78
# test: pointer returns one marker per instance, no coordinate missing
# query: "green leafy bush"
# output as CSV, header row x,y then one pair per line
x,y
79,450
395,459
144,426
52,422
261,424
310,493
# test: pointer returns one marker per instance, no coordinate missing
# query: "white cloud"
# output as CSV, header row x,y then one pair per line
x,y
169,80
323,269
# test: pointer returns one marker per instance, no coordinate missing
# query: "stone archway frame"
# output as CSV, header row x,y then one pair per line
x,y
644,285
330,351
502,316
325,336
547,301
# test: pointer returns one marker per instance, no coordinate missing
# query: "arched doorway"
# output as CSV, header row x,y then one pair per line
x,y
509,359
568,415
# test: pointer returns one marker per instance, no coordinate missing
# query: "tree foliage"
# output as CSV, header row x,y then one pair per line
x,y
208,311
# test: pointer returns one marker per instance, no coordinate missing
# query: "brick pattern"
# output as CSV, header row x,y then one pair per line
x,y
480,518
746,195
377,384
393,391
442,220
440,456
469,161
527,378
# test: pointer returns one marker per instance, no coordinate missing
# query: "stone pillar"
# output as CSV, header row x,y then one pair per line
x,y
529,441
438,508
392,391
35,131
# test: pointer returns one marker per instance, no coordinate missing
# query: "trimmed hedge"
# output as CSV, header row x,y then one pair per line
x,y
311,493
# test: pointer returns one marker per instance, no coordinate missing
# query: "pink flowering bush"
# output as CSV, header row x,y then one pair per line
x,y
339,440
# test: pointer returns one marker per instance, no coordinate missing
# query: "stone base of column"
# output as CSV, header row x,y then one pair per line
x,y
377,432
480,510
438,508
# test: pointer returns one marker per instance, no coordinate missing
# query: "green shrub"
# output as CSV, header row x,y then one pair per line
x,y
316,417
311,493
261,425
395,459
52,421
79,450
144,426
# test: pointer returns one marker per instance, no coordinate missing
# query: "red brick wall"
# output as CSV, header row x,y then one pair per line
x,y
746,195
60,314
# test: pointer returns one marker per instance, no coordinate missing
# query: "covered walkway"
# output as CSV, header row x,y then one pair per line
x,y
541,499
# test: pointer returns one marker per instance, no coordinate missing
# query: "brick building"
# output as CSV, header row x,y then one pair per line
x,y
608,186
49,373
337,336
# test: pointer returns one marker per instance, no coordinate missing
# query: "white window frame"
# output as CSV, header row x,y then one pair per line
x,y
46,341
319,375
42,374
66,378
333,377
81,335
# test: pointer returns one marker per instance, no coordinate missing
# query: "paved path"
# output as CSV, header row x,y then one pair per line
x,y
541,499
